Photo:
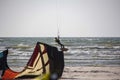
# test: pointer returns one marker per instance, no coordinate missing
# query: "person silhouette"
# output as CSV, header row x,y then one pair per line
x,y
57,39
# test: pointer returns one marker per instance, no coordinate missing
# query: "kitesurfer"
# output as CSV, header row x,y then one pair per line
x,y
57,39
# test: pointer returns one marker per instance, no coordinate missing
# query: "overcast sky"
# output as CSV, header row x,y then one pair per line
x,y
73,18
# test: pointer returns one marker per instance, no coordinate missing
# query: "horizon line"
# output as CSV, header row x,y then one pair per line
x,y
60,36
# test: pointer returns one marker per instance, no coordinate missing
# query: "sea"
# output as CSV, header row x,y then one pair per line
x,y
82,51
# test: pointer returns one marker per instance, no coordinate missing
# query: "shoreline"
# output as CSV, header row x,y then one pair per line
x,y
88,73
91,73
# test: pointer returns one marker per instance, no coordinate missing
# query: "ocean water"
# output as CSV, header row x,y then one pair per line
x,y
83,51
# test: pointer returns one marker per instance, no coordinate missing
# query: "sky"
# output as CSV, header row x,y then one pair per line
x,y
68,18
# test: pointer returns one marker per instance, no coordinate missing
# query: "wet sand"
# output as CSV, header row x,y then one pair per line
x,y
91,73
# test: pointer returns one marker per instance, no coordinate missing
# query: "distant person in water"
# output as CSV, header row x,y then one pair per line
x,y
57,39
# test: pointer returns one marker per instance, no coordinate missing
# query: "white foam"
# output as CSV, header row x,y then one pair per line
x,y
22,45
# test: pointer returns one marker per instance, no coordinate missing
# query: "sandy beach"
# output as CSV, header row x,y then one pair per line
x,y
91,73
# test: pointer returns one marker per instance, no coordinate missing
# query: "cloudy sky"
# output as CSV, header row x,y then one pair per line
x,y
73,18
